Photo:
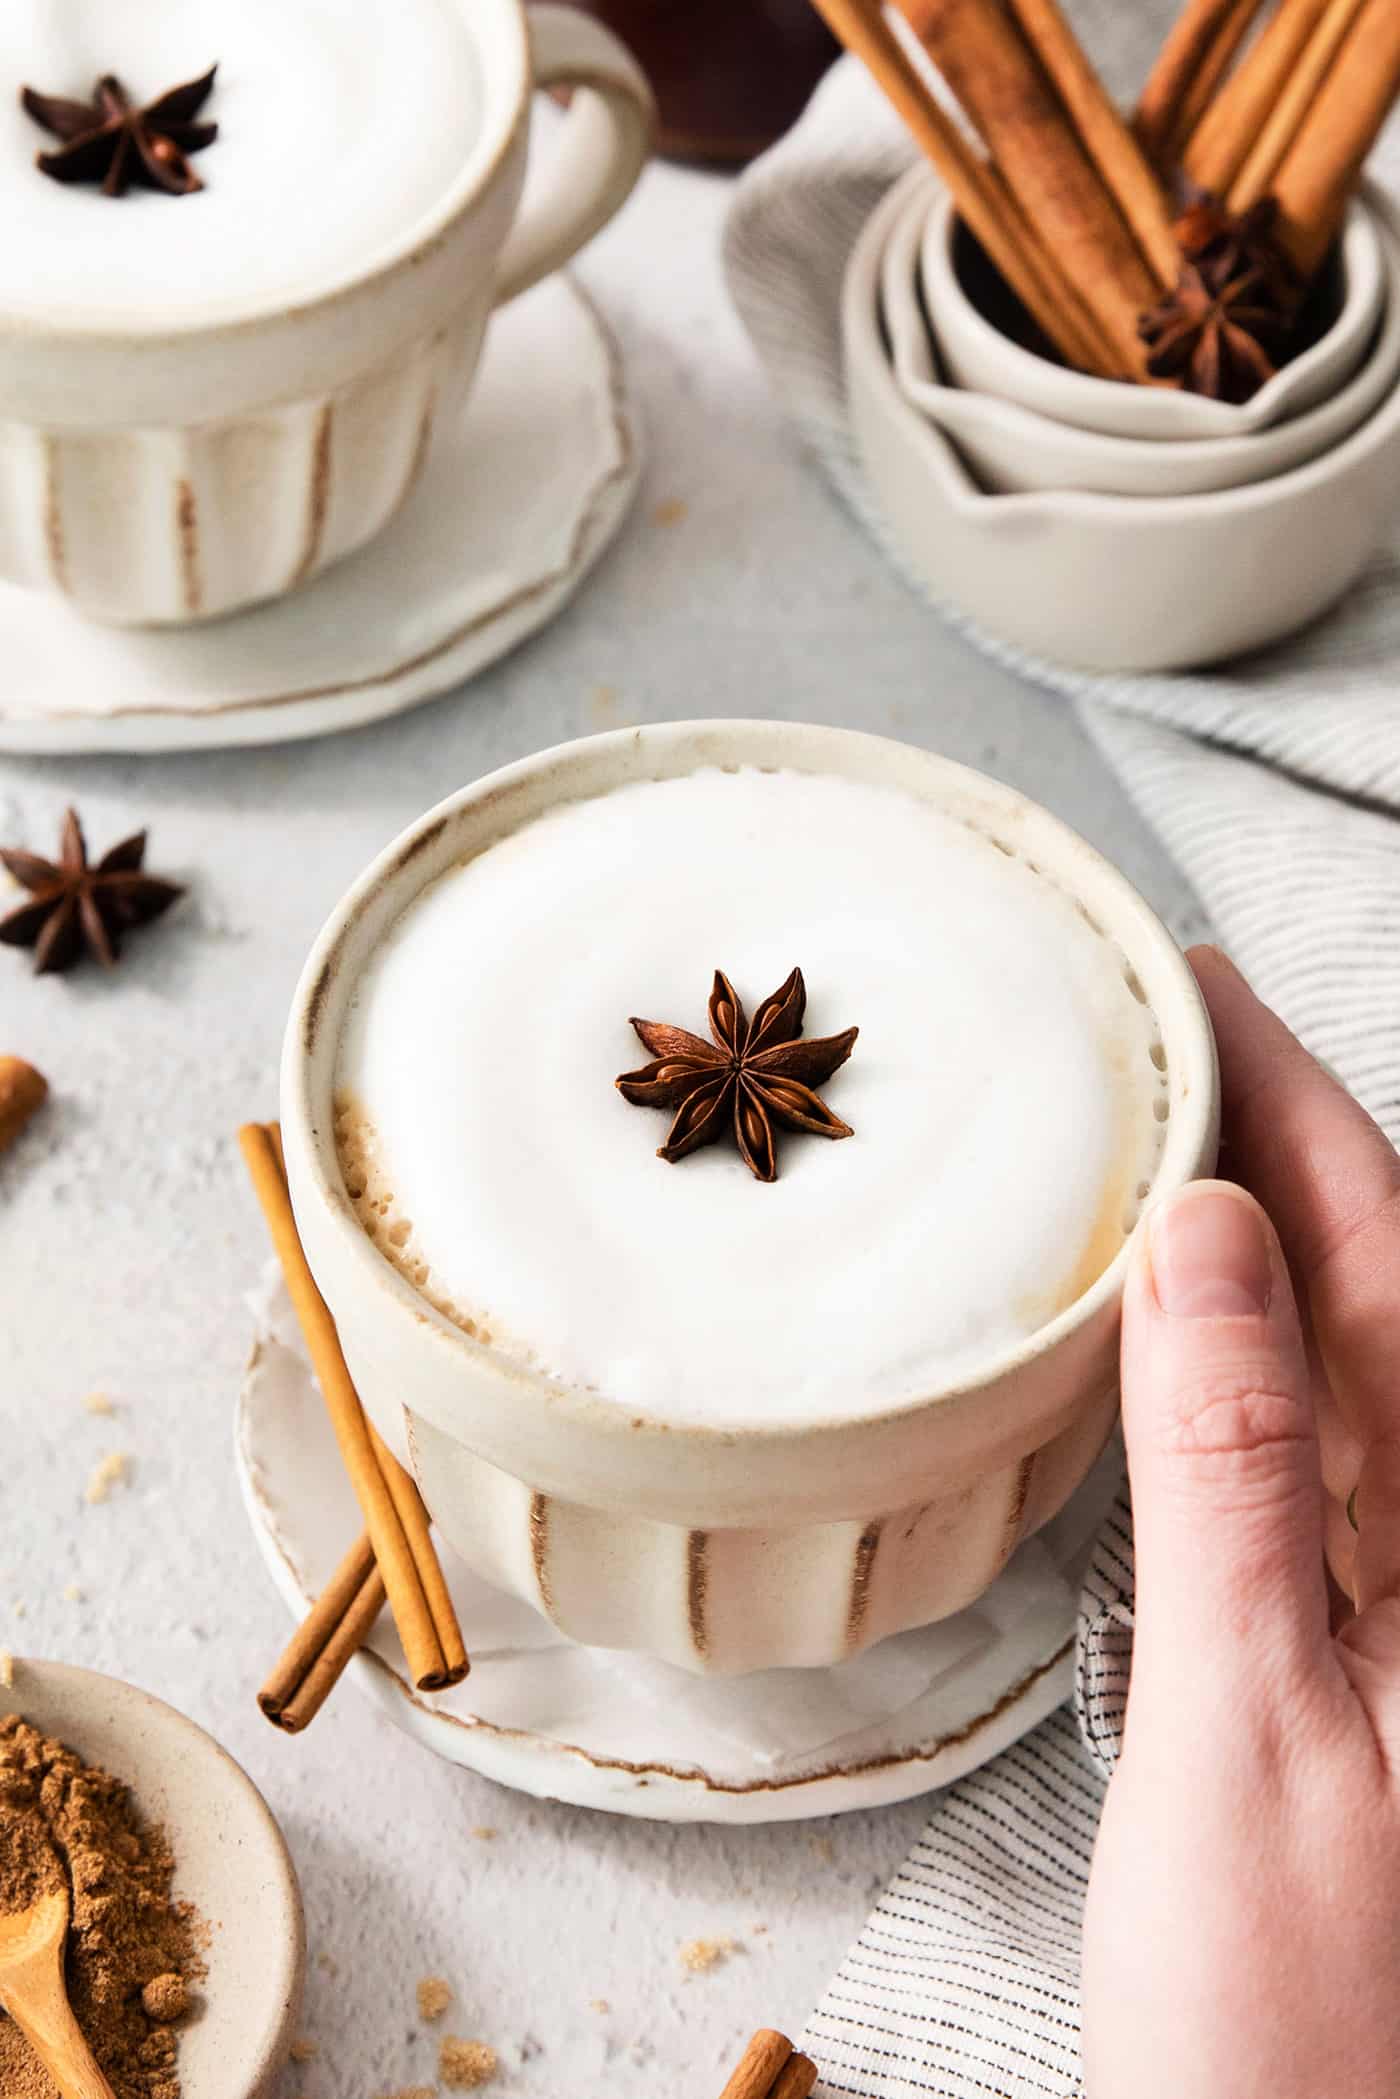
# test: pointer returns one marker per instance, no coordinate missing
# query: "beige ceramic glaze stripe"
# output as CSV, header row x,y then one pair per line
x,y
53,516
318,498
697,1585
539,1550
187,527
421,443
867,1545
1016,1514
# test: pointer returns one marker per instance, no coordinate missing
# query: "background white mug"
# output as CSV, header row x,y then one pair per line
x,y
165,469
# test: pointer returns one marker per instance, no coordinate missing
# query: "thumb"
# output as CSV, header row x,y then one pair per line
x,y
1222,1452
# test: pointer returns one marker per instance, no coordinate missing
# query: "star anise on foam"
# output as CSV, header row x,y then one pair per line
x,y
1225,326
113,141
72,905
755,1074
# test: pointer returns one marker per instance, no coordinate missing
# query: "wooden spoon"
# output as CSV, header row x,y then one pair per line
x,y
33,1992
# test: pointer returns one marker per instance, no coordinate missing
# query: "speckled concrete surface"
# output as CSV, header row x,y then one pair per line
x,y
127,1239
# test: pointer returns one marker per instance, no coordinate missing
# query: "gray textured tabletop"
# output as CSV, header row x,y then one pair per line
x,y
128,1240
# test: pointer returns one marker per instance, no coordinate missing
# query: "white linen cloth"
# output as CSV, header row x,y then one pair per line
x,y
1276,782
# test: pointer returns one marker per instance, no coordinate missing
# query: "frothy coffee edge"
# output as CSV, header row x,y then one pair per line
x,y
370,1187
369,1181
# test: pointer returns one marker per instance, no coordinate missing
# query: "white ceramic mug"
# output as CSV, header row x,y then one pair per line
x,y
763,1544
166,471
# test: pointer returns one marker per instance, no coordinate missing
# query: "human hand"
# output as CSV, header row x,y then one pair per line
x,y
1243,1919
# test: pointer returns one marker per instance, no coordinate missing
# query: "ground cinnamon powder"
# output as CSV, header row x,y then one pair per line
x,y
131,1950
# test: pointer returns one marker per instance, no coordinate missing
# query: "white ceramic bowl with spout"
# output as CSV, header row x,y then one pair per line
x,y
1010,448
762,1544
1112,582
982,357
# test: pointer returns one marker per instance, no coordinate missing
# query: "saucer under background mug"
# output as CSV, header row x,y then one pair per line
x,y
747,1542
171,455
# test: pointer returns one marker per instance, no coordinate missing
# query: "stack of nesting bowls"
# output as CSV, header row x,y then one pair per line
x,y
1104,526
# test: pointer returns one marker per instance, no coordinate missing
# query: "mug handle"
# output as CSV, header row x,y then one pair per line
x,y
603,148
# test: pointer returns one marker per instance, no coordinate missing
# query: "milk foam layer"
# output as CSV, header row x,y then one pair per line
x,y
341,123
1007,1093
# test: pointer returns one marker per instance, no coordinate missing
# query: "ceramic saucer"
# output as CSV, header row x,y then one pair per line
x,y
639,1737
519,502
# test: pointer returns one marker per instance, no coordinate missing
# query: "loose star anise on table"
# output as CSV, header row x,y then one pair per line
x,y
113,141
756,1073
72,905
1225,326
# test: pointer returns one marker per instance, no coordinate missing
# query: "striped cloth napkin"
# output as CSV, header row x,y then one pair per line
x,y
1276,783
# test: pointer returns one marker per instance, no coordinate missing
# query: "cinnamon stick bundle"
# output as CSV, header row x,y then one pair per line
x,y
335,1629
1321,168
1112,147
983,200
395,1518
1010,100
1190,67
1295,100
1226,134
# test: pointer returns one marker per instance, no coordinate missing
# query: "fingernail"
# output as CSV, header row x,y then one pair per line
x,y
1210,1256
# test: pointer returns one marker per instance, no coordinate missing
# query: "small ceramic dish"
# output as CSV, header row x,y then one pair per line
x,y
230,1862
1010,448
1115,583
982,356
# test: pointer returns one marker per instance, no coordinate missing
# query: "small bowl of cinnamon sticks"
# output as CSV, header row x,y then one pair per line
x,y
1105,582
988,344
1009,445
1201,270
1171,264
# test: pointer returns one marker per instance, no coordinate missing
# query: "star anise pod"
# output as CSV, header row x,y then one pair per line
x,y
72,905
756,1073
113,141
1225,326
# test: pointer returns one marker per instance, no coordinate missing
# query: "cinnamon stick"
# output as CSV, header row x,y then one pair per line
x,y
761,2064
417,1529
1226,134
1295,100
1322,167
413,1615
796,2078
1130,181
1190,67
23,1091
336,1627
1006,95
983,200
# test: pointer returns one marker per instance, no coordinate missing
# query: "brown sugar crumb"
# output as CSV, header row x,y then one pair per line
x,y
485,1835
112,1471
463,2065
434,1996
304,2050
7,1670
97,1403
601,2005
165,1999
699,1956
671,512
410,2091
72,1593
